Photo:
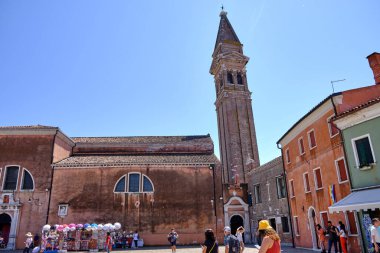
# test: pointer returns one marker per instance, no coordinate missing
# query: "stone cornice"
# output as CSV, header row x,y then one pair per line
x,y
358,117
65,138
306,122
232,95
42,131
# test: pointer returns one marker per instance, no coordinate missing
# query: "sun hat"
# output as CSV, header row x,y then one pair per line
x,y
227,229
264,224
29,234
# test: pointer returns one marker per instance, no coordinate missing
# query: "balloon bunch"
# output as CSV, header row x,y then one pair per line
x,y
89,227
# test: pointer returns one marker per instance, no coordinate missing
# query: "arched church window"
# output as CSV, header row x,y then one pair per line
x,y
230,78
239,79
134,183
120,185
147,185
27,181
11,177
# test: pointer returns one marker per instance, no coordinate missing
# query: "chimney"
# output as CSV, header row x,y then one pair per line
x,y
374,63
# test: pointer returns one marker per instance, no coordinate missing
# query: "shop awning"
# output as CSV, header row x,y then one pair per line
x,y
358,200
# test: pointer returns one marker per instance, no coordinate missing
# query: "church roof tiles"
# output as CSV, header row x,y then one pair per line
x,y
106,160
142,139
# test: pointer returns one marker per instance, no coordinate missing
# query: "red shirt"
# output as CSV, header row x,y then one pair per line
x,y
275,247
108,241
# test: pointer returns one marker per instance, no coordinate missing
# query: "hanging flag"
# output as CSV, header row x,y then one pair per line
x,y
332,198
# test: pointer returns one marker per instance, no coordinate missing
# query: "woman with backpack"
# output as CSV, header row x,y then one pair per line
x,y
210,245
271,241
322,237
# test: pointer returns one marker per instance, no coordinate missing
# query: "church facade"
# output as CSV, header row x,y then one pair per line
x,y
149,183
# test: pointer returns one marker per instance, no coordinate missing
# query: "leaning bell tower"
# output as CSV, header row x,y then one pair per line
x,y
236,127
237,137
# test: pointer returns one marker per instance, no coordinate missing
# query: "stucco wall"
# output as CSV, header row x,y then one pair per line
x,y
323,156
370,177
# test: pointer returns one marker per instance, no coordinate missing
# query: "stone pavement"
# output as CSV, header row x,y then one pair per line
x,y
184,249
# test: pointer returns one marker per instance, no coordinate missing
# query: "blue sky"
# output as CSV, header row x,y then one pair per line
x,y
126,68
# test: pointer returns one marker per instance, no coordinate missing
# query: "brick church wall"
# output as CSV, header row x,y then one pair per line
x,y
32,152
181,199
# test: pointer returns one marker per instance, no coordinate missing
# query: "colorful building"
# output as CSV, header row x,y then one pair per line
x,y
316,170
361,136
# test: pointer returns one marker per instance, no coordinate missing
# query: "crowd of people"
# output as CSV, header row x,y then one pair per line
x,y
122,240
267,238
336,236
269,241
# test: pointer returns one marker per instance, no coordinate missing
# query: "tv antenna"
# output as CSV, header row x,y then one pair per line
x,y
336,81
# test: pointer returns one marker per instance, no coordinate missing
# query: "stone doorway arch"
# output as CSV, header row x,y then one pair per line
x,y
235,222
312,226
5,228
237,207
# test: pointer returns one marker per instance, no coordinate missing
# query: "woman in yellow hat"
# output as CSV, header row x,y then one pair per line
x,y
271,241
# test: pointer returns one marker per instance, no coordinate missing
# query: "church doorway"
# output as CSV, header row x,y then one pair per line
x,y
235,222
5,228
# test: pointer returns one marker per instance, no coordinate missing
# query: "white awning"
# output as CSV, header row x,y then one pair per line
x,y
359,200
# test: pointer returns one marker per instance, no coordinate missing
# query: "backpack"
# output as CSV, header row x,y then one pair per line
x,y
233,245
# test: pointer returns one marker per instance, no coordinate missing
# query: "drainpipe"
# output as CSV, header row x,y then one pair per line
x,y
287,193
357,221
212,167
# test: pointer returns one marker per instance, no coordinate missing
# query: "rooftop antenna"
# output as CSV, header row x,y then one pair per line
x,y
336,81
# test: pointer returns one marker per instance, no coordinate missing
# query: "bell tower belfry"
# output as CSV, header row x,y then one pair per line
x,y
237,137
236,127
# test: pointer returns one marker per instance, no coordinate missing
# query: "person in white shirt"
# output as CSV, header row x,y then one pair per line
x,y
239,235
28,242
342,236
375,236
136,238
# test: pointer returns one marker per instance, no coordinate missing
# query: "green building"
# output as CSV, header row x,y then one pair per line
x,y
360,128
